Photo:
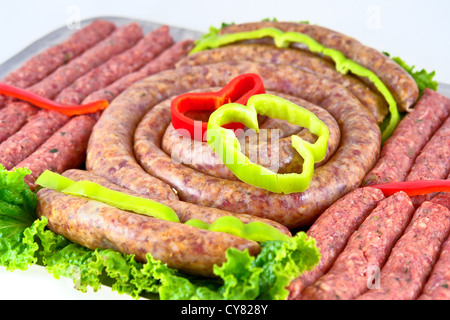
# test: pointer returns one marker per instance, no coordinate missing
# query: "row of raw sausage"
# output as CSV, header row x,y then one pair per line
x,y
412,266
42,139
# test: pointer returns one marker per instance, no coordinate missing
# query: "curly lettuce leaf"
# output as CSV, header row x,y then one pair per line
x,y
267,276
17,213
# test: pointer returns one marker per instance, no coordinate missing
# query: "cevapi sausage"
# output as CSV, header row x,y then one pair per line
x,y
45,122
184,210
333,229
438,284
413,256
40,127
433,162
277,155
166,60
296,58
39,66
95,225
110,143
442,198
410,136
397,80
366,251
117,67
65,149
13,117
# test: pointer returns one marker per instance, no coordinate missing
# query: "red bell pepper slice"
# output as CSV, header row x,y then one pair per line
x,y
45,103
238,90
414,188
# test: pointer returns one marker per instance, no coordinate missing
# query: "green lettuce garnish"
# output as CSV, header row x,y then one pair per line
x,y
17,213
25,240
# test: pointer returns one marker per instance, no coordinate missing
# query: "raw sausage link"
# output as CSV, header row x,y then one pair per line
x,y
39,66
438,285
410,136
44,123
65,149
413,256
278,156
39,128
184,210
433,162
398,81
333,229
164,61
367,248
117,67
96,225
357,153
443,198
13,117
296,58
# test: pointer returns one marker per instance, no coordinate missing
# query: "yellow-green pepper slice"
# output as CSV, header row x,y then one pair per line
x,y
256,230
226,145
343,64
113,198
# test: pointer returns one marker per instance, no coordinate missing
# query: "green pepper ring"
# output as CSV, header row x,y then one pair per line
x,y
227,146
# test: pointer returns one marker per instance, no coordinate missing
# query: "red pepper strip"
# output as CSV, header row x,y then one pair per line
x,y
414,188
45,103
238,90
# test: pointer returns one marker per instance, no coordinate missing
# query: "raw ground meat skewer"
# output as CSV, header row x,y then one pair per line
x,y
438,284
433,162
367,250
413,256
65,149
332,231
412,133
117,67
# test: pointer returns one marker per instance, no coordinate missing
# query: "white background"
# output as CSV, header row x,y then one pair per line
x,y
416,30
